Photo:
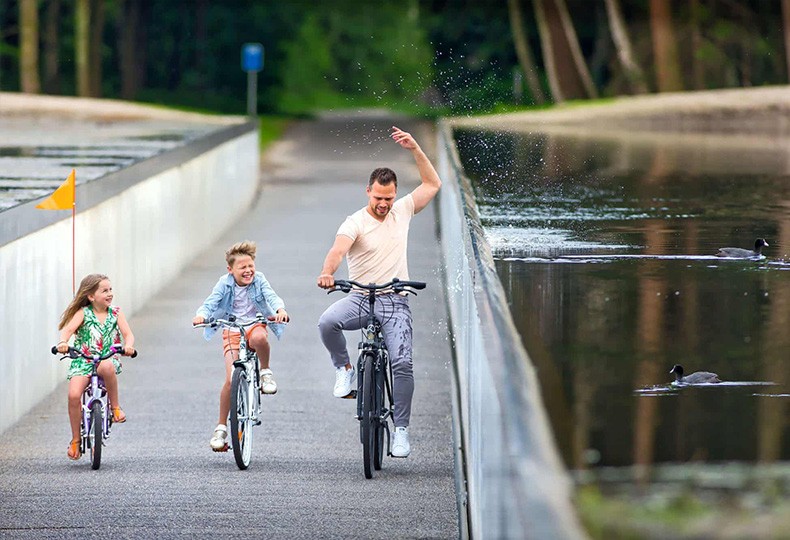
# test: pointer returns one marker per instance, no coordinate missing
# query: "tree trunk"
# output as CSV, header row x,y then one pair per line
x,y
697,69
786,25
96,34
547,49
524,52
51,41
625,53
665,47
575,50
201,42
30,81
128,29
565,80
82,15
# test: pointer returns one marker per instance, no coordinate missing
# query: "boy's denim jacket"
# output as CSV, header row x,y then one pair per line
x,y
219,304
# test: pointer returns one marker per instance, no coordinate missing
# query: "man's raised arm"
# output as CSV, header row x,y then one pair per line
x,y
431,182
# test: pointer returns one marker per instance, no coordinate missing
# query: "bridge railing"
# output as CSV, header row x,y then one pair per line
x,y
515,483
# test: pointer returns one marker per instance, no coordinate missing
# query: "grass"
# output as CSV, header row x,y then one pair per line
x,y
681,514
272,128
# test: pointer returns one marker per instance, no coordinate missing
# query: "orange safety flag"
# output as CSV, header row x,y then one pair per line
x,y
63,198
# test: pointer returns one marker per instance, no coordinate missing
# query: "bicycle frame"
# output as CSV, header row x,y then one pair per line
x,y
249,362
94,391
375,402
373,344
245,404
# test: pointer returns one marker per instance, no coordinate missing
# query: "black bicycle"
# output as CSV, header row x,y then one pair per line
x,y
374,375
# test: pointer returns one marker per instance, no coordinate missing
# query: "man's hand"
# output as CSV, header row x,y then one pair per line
x,y
198,320
404,139
326,281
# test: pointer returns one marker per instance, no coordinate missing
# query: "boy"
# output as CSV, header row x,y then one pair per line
x,y
241,292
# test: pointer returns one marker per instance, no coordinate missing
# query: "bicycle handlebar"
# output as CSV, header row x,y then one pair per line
x,y
232,321
396,285
76,353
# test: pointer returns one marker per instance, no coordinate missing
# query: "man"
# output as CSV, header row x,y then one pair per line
x,y
374,240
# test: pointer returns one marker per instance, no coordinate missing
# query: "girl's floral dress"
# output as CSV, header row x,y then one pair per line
x,y
93,337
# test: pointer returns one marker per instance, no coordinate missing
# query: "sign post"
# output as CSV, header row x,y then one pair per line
x,y
252,63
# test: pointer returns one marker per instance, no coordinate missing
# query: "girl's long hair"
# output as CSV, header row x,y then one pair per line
x,y
88,285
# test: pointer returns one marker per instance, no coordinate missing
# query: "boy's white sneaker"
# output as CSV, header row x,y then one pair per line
x,y
268,386
400,443
344,381
219,441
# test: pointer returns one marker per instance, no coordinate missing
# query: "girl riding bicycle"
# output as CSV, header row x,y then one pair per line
x,y
98,325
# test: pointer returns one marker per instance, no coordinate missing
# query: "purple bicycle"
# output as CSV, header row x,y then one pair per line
x,y
96,416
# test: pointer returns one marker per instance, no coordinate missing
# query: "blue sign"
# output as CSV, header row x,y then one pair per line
x,y
252,57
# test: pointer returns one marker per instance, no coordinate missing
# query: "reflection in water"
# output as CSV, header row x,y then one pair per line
x,y
605,248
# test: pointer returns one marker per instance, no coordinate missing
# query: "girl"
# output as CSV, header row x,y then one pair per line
x,y
99,325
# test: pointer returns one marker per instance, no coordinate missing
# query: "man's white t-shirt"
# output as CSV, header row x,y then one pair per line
x,y
378,253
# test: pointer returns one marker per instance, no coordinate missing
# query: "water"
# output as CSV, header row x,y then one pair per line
x,y
605,247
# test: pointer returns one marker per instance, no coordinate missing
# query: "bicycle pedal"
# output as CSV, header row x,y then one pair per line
x,y
224,449
352,395
256,423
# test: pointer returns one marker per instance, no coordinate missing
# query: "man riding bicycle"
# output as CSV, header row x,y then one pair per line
x,y
374,240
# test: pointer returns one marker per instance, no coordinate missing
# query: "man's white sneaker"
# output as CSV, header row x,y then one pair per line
x,y
400,443
219,441
344,381
268,386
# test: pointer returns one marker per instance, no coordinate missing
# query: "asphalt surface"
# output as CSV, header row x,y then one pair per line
x,y
158,477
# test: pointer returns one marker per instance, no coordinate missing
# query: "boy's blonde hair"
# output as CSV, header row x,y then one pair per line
x,y
246,247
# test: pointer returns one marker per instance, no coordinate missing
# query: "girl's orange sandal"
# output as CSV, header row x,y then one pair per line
x,y
74,450
118,416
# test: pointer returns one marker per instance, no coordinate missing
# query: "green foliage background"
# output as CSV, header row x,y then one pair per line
x,y
421,56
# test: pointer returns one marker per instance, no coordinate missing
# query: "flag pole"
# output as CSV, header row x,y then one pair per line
x,y
73,249
74,236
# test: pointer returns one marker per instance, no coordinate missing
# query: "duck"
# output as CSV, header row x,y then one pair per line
x,y
741,253
698,377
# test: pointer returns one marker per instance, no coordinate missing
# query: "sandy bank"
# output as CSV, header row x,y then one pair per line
x,y
764,110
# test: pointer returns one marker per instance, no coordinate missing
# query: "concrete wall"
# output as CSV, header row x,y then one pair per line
x,y
139,226
516,484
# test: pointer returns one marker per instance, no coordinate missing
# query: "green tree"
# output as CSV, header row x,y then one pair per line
x,y
356,54
305,77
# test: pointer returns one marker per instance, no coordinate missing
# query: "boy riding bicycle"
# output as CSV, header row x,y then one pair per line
x,y
243,293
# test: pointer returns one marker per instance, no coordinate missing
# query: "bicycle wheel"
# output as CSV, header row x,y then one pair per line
x,y
240,421
378,424
368,416
95,434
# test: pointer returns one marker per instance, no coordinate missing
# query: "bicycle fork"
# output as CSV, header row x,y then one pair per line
x,y
93,393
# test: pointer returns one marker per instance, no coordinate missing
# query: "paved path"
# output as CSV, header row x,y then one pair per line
x,y
159,479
